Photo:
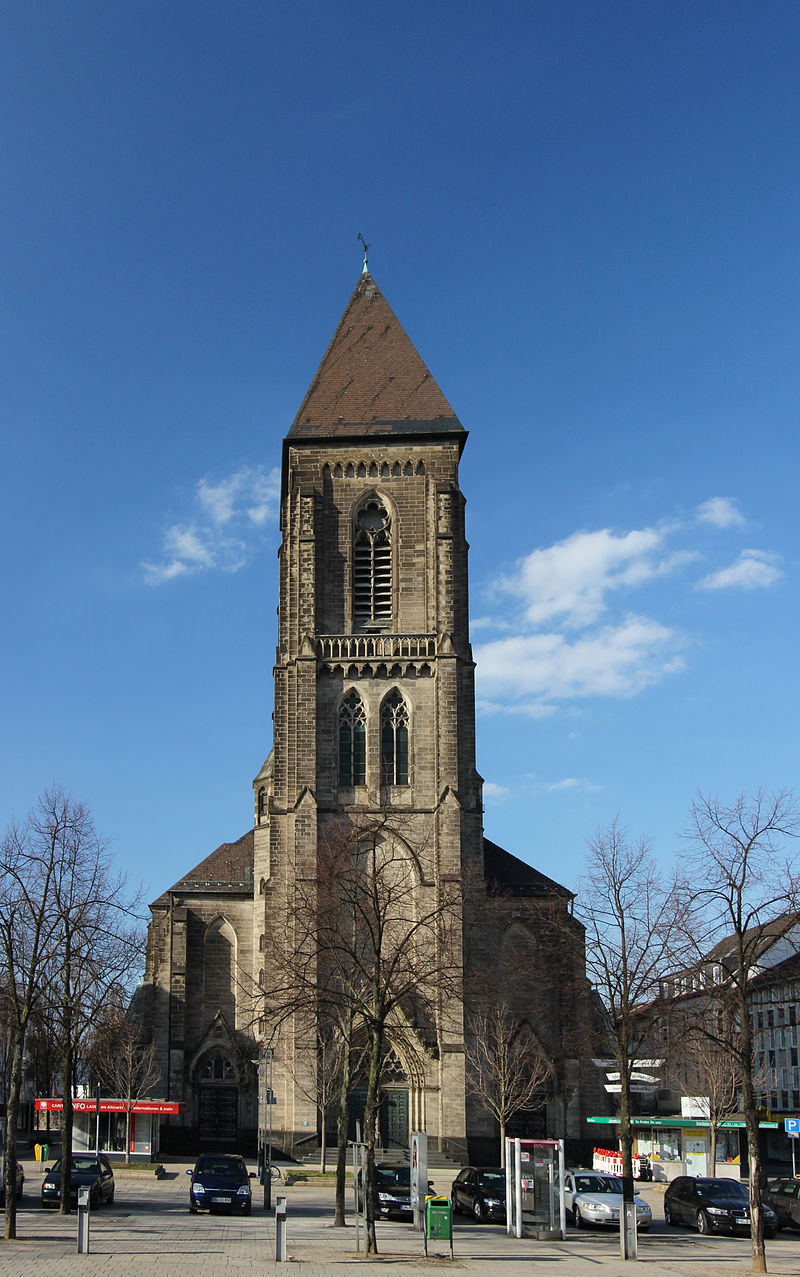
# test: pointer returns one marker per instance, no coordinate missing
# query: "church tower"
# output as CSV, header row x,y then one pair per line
x,y
374,723
374,678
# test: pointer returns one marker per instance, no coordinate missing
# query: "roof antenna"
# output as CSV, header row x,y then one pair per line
x,y
367,247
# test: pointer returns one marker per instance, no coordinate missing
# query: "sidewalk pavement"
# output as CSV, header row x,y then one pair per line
x,y
149,1231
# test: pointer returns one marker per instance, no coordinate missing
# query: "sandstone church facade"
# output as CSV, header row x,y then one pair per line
x,y
374,710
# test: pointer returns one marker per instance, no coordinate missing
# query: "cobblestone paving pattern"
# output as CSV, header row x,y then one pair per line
x,y
150,1233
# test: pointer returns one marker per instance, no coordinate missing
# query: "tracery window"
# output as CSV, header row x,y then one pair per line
x,y
217,1068
394,740
372,566
352,741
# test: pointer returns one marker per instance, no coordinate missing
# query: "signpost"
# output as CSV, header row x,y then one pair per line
x,y
792,1127
419,1177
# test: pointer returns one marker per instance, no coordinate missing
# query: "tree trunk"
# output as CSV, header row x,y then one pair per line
x,y
12,1113
370,1118
128,1133
750,1113
322,1146
713,1168
67,1066
502,1143
341,1133
629,1251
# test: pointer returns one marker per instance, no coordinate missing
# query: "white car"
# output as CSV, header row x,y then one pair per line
x,y
592,1197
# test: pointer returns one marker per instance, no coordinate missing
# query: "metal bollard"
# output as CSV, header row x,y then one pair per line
x,y
280,1229
83,1220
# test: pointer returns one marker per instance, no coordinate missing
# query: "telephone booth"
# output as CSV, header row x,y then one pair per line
x,y
535,1189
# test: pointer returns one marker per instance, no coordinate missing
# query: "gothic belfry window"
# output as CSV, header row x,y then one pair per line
x,y
372,566
352,741
394,740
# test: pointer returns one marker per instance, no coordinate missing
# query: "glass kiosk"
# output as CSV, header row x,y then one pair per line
x,y
535,1189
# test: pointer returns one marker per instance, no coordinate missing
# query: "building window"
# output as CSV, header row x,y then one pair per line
x,y
394,740
217,1068
352,741
372,567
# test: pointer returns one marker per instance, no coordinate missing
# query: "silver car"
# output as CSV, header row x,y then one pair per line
x,y
591,1197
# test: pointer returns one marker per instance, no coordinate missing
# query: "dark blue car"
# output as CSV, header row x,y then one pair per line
x,y
220,1182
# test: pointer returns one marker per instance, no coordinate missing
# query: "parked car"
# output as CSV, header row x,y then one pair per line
x,y
392,1191
592,1197
781,1195
220,1181
19,1179
85,1169
713,1206
480,1191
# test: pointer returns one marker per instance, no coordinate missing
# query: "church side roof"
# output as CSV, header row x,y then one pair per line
x,y
372,380
229,868
506,873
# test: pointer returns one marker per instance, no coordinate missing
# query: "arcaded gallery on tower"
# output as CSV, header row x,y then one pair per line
x,y
374,719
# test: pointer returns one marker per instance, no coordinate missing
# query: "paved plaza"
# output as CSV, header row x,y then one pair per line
x,y
149,1231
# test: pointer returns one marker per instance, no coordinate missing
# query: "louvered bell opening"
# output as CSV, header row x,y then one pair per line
x,y
372,582
382,592
362,583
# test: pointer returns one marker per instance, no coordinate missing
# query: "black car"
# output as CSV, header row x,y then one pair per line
x,y
86,1170
713,1206
392,1191
480,1191
220,1181
19,1179
782,1196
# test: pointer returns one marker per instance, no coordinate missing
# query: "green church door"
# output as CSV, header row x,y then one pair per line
x,y
396,1118
218,1125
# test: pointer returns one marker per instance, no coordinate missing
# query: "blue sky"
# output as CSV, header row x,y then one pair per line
x,y
586,217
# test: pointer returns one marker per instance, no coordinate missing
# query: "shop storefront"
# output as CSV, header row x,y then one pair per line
x,y
103,1125
682,1146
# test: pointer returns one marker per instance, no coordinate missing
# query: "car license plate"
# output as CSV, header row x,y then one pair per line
x,y
615,1214
222,1201
742,1221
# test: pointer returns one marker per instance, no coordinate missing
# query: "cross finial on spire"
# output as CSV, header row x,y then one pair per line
x,y
367,247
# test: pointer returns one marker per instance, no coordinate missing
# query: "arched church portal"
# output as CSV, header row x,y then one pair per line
x,y
217,1092
396,1100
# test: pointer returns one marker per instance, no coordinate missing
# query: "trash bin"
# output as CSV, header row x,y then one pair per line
x,y
37,1152
438,1221
45,1152
438,1218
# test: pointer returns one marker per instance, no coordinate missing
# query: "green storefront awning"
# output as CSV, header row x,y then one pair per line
x,y
680,1123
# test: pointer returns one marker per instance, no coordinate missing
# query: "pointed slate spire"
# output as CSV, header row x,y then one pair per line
x,y
372,380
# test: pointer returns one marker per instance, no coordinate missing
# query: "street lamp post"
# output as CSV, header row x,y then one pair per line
x,y
265,1101
266,1073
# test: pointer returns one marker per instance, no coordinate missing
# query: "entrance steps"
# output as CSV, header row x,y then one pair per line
x,y
391,1153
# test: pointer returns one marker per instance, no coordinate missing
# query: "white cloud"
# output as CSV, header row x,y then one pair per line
x,y
495,793
530,709
249,493
570,581
753,570
220,536
535,662
569,782
721,512
617,660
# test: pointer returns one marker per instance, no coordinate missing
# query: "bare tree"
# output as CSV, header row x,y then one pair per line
x,y
122,1061
67,933
630,919
506,1067
742,897
100,942
28,936
373,936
